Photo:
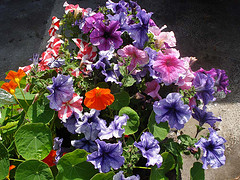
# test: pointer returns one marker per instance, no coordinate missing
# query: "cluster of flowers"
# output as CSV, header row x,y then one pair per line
x,y
122,46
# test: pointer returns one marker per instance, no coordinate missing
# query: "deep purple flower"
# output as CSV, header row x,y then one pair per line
x,y
204,84
115,128
107,156
106,36
120,176
71,123
61,91
57,63
90,21
87,145
213,150
138,32
204,117
134,6
122,18
221,81
173,110
121,6
35,59
150,149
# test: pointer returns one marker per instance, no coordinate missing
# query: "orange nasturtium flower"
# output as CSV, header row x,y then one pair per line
x,y
50,159
9,87
16,76
10,168
98,98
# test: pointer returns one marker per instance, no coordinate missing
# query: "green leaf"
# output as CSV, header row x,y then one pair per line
x,y
9,125
197,172
159,131
33,170
168,162
4,112
157,174
40,111
132,122
73,166
28,95
103,176
4,161
33,141
6,98
187,140
102,85
128,81
121,99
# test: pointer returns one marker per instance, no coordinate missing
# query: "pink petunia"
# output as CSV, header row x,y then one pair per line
x,y
152,89
74,105
169,66
138,56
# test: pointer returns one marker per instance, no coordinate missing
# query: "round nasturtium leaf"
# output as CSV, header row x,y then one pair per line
x,y
103,176
73,165
4,161
168,162
33,141
33,170
121,99
40,112
132,122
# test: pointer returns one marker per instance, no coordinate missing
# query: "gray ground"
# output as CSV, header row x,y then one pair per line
x,y
208,30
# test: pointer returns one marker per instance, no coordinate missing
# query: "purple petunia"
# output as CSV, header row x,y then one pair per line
x,y
173,110
121,6
221,81
120,176
213,150
115,128
204,84
204,117
57,146
90,21
106,36
87,145
150,149
107,156
71,123
138,32
61,91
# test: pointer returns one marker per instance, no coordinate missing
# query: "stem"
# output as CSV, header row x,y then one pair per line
x,y
140,167
16,160
141,133
19,103
22,94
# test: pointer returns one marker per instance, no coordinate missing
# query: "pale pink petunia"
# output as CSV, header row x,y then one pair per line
x,y
152,89
169,66
74,105
138,56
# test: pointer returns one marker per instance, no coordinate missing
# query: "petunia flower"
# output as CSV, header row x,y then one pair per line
x,y
121,6
54,26
74,105
115,128
204,117
71,124
16,76
9,87
152,89
50,159
107,156
106,36
138,57
150,149
98,98
88,145
120,176
169,66
173,110
61,91
213,150
204,84
90,21
221,81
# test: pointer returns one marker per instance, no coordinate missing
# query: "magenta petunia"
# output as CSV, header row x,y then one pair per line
x,y
138,56
152,89
169,66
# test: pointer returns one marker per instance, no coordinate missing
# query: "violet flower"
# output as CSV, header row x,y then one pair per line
x,y
121,6
107,156
71,123
204,84
138,32
120,176
150,149
213,150
106,36
90,21
57,146
204,117
61,91
221,81
87,145
115,128
173,110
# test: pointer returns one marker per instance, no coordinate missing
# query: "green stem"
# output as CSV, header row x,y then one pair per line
x,y
140,167
22,94
11,159
19,103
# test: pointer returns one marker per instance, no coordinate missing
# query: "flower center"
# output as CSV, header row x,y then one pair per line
x,y
12,91
106,35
